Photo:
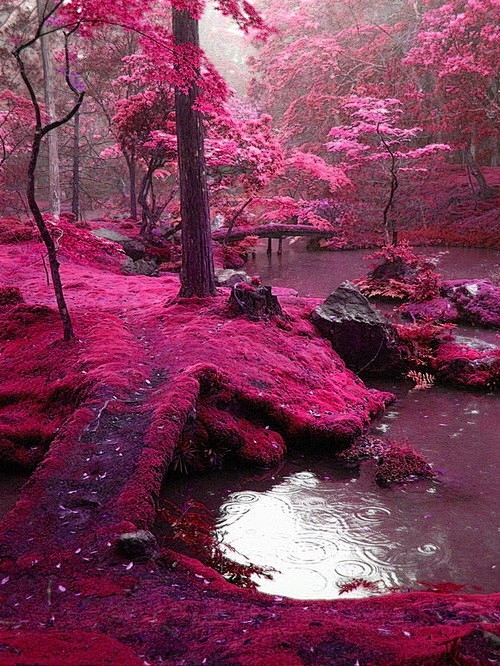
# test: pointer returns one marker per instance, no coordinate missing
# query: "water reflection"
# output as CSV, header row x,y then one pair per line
x,y
319,273
329,532
320,525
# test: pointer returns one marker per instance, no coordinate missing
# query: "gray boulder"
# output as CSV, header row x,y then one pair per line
x,y
141,267
228,277
359,333
132,247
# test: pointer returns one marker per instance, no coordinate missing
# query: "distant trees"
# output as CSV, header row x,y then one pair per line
x,y
438,59
456,55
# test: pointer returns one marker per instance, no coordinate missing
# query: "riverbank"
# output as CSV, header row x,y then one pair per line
x,y
140,388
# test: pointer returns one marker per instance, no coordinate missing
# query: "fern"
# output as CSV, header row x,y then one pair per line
x,y
423,380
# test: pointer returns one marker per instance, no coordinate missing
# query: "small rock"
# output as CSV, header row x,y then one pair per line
x,y
140,545
132,247
228,277
141,267
111,235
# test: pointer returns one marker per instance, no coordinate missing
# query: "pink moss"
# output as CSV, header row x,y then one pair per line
x,y
400,463
71,648
466,366
477,301
248,442
419,342
82,247
39,384
396,462
438,310
13,230
10,295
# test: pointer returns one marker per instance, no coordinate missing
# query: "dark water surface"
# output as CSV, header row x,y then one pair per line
x,y
319,525
319,273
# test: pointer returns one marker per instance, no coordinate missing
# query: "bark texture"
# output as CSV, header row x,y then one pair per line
x,y
197,271
75,198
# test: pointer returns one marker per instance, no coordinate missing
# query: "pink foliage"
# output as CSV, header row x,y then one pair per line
x,y
375,134
458,44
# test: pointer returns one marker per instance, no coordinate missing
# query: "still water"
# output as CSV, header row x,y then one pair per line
x,y
319,273
319,525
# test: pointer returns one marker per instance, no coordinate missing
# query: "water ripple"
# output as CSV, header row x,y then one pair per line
x,y
355,569
245,497
309,549
372,513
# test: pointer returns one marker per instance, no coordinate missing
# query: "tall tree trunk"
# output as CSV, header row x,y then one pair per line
x,y
133,186
43,7
132,176
495,153
40,131
391,233
47,239
485,190
75,195
197,271
144,189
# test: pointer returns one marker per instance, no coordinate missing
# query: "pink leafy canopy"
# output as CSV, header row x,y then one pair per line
x,y
374,133
458,48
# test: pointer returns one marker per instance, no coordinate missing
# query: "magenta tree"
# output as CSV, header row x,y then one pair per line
x,y
375,145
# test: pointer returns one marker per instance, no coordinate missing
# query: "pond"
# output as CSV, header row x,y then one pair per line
x,y
319,525
317,274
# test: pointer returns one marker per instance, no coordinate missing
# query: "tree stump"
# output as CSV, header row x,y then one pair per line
x,y
255,302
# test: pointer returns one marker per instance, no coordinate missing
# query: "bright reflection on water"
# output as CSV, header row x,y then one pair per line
x,y
318,534
319,525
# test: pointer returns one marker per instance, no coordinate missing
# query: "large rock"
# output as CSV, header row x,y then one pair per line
x,y
132,247
359,333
